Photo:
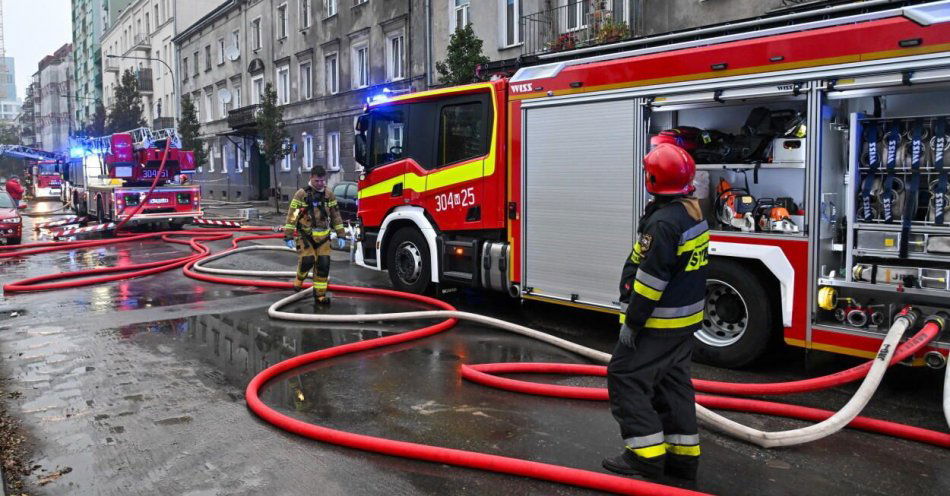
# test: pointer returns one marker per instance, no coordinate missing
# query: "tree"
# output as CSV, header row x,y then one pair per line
x,y
126,112
189,130
270,127
463,58
97,126
9,165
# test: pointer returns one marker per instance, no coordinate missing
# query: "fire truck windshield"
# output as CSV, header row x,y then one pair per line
x,y
387,135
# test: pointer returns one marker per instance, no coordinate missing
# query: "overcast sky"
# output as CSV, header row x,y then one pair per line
x,y
33,29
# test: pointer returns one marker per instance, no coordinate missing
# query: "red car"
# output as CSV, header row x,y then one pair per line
x,y
11,225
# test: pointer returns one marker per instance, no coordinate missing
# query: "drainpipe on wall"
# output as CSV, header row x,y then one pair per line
x,y
428,14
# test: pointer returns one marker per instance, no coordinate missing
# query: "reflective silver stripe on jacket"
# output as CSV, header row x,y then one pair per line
x,y
672,312
694,231
650,280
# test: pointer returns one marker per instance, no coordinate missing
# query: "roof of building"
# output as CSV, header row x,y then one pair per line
x,y
209,18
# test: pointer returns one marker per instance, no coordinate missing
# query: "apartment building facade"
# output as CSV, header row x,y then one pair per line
x,y
324,58
139,39
51,102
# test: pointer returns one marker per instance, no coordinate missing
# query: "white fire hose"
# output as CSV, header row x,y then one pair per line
x,y
713,420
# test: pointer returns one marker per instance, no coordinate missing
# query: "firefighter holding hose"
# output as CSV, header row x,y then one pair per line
x,y
662,294
313,212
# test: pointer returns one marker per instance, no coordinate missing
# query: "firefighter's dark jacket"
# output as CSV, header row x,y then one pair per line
x,y
663,286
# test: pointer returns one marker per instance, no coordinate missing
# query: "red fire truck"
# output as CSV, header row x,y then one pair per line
x,y
109,177
47,180
532,185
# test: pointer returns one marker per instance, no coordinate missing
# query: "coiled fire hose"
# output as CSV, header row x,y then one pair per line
x,y
830,421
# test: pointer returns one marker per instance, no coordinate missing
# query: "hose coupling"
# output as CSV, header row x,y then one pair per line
x,y
911,314
939,318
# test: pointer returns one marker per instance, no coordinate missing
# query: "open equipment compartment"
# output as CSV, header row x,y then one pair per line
x,y
750,146
884,246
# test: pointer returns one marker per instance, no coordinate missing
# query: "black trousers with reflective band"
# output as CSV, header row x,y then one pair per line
x,y
650,389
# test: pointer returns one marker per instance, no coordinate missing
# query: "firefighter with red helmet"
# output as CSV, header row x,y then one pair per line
x,y
662,294
14,189
312,214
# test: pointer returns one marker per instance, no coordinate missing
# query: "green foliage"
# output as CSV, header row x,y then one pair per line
x,y
97,126
190,131
463,58
9,135
271,130
126,112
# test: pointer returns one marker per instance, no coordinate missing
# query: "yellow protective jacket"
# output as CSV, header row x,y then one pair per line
x,y
313,213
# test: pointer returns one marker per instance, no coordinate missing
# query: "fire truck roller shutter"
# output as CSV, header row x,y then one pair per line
x,y
578,213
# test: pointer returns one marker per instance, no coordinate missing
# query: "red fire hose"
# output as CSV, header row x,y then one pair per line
x,y
437,454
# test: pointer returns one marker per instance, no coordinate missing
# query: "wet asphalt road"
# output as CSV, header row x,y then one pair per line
x,y
138,387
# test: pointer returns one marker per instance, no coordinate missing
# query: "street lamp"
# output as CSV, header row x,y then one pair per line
x,y
171,74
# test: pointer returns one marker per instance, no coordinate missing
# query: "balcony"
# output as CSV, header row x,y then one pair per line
x,y
580,23
141,42
111,65
163,123
144,79
243,117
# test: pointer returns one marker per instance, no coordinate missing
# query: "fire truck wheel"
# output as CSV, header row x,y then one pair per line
x,y
408,261
737,326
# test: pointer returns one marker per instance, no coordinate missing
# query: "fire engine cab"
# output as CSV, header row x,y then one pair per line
x,y
109,177
820,149
47,180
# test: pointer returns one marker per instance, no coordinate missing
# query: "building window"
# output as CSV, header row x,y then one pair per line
x,y
228,157
207,57
306,80
196,64
358,2
360,65
148,25
239,152
220,51
332,74
283,85
395,57
329,7
308,152
209,104
511,22
257,89
222,105
305,13
219,156
285,162
256,33
184,65
236,42
236,95
333,151
282,22
577,11
460,14
209,154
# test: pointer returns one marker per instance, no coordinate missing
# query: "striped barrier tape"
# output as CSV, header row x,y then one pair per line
x,y
75,219
218,223
84,230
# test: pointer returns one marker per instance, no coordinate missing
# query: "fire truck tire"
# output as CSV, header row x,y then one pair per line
x,y
408,261
737,328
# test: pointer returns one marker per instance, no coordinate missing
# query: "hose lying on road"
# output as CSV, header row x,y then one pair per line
x,y
830,421
193,267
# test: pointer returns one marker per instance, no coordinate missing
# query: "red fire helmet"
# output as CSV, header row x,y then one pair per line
x,y
669,170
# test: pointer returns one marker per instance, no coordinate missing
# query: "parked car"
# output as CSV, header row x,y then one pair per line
x,y
11,224
345,193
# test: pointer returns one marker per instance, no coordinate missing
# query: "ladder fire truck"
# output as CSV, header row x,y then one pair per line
x,y
820,150
44,167
109,177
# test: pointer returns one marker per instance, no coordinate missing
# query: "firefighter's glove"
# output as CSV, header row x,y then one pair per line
x,y
290,243
341,243
627,337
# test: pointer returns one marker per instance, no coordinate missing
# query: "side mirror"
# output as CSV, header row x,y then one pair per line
x,y
362,124
360,150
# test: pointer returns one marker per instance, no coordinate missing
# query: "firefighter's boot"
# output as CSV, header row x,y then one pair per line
x,y
636,466
320,296
682,467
